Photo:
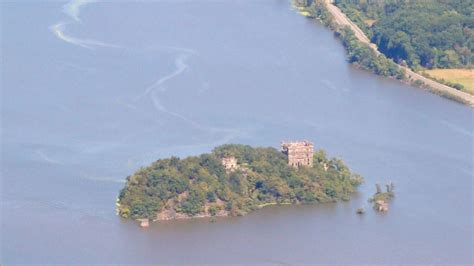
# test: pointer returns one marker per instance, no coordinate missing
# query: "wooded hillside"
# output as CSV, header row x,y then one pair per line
x,y
429,33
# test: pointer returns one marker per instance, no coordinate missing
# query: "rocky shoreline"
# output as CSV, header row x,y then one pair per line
x,y
171,214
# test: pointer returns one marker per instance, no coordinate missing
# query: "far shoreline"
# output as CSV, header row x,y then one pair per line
x,y
337,20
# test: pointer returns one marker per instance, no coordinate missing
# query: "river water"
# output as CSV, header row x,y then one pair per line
x,y
93,91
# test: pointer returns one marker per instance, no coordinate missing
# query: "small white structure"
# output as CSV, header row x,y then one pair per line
x,y
230,163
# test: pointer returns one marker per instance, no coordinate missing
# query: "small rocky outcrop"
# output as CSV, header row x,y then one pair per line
x,y
144,222
381,206
381,199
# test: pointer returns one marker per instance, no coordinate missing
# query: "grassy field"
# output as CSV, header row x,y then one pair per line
x,y
370,22
461,76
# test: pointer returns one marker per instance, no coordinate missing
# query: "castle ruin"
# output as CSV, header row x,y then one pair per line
x,y
300,153
230,163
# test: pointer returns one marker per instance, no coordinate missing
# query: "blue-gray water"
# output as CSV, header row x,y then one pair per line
x,y
90,93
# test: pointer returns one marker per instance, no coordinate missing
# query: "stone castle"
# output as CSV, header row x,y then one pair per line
x,y
300,153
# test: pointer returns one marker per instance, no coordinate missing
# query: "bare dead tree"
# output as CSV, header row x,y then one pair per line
x,y
378,188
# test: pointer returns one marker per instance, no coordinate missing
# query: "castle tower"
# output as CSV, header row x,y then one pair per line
x,y
300,153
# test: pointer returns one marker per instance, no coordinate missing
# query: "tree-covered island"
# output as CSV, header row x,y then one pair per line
x,y
428,44
232,180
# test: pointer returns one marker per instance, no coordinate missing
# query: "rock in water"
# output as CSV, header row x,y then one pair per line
x,y
144,222
381,206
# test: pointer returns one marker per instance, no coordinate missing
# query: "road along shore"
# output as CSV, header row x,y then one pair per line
x,y
341,19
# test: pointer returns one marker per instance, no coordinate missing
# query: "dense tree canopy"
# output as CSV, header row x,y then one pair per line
x,y
197,184
430,33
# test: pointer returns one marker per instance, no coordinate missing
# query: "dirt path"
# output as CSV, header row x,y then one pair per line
x,y
342,19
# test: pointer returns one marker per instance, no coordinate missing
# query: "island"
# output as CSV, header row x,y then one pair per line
x,y
234,180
